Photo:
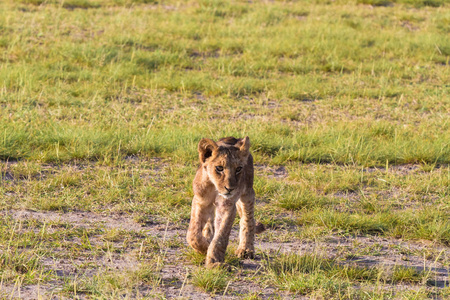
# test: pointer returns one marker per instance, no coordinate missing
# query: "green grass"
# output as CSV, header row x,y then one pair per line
x,y
99,90
111,283
211,280
22,265
103,102
311,273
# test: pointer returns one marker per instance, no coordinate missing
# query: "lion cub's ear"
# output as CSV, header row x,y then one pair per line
x,y
244,146
206,147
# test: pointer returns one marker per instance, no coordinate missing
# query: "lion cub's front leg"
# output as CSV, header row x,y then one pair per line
x,y
245,207
198,235
224,218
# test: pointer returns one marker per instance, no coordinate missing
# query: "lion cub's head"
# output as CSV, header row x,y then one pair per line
x,y
224,163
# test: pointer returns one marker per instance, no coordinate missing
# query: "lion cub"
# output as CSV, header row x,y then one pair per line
x,y
222,184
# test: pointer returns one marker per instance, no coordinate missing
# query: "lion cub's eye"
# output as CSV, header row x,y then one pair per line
x,y
219,168
238,169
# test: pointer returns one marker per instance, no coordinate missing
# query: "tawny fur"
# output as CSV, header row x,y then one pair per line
x,y
223,184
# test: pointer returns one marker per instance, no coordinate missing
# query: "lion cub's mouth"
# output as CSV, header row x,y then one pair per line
x,y
227,195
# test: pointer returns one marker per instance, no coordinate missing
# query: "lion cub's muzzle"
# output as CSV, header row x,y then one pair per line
x,y
228,192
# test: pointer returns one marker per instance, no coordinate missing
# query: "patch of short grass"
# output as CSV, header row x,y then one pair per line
x,y
304,274
194,257
211,280
311,273
26,265
407,275
431,225
290,196
112,284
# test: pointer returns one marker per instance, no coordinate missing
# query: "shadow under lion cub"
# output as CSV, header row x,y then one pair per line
x,y
223,184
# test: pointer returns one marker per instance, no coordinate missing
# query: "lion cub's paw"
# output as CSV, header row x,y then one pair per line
x,y
213,262
245,253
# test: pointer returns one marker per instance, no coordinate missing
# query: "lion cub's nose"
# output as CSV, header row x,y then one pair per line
x,y
228,189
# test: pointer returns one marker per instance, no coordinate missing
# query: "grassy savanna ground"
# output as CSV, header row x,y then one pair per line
x,y
347,106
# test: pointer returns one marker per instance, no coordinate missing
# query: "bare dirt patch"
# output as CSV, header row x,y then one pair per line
x,y
278,172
